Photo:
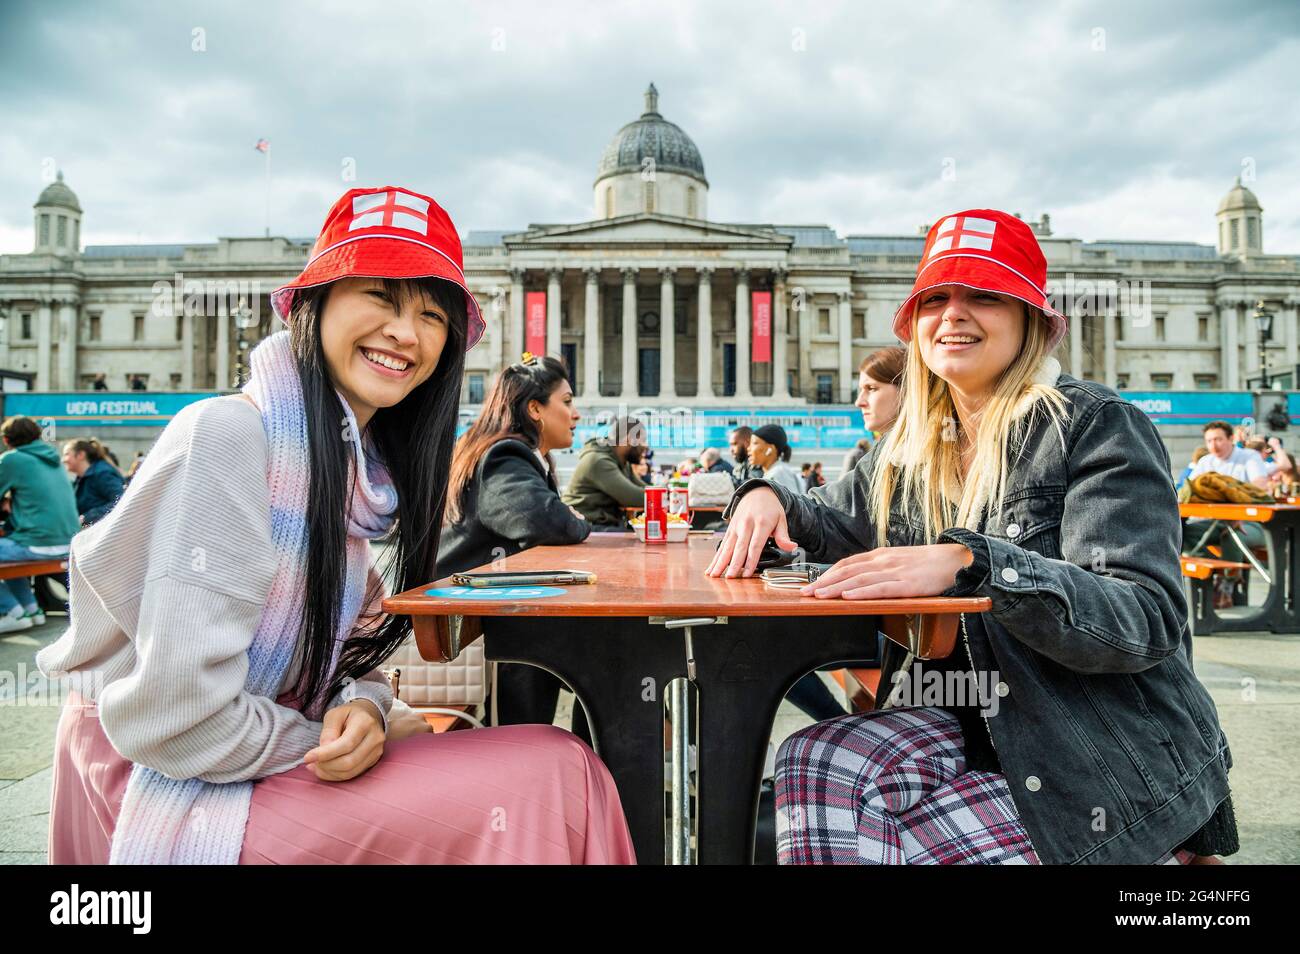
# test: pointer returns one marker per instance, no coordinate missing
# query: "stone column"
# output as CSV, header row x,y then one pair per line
x,y
1108,349
591,337
804,319
44,349
667,336
68,322
780,338
187,349
223,343
704,337
553,338
514,346
1228,357
848,379
742,335
629,392
1289,330
6,330
496,319
202,357
1253,343
1076,345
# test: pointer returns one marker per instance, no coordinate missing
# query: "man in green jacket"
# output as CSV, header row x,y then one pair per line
x,y
603,482
42,515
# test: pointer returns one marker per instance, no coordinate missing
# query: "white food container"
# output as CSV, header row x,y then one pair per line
x,y
677,532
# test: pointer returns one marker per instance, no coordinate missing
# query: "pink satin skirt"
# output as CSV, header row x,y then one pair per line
x,y
526,794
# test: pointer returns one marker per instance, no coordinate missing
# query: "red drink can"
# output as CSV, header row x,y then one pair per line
x,y
656,516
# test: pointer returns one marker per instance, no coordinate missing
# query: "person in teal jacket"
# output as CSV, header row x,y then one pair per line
x,y
42,517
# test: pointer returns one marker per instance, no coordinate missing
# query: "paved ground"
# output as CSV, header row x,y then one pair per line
x,y
1254,678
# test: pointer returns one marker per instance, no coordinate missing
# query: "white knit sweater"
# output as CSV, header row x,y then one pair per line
x,y
166,594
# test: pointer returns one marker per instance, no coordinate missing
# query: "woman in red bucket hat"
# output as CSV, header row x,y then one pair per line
x,y
1067,725
229,705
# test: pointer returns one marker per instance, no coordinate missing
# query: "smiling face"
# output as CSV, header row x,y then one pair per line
x,y
379,349
76,461
556,419
969,337
878,403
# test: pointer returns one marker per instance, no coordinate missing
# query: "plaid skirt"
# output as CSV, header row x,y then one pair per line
x,y
891,787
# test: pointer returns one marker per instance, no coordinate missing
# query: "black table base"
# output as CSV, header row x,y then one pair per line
x,y
1279,612
619,668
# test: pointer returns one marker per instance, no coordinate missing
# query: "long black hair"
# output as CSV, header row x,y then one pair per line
x,y
504,414
413,438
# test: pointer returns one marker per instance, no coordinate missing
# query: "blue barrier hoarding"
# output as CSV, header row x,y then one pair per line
x,y
1193,407
102,408
811,428
815,427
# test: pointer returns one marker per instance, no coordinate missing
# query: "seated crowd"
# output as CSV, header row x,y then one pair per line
x,y
45,503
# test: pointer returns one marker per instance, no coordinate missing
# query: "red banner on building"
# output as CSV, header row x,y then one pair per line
x,y
760,309
535,322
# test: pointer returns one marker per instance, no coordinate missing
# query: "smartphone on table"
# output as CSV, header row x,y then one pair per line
x,y
523,578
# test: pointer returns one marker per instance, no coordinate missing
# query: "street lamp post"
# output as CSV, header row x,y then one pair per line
x,y
243,321
1264,321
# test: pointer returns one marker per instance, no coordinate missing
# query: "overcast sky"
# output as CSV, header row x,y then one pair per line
x,y
1121,120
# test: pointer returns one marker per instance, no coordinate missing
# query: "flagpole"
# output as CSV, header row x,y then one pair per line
x,y
268,190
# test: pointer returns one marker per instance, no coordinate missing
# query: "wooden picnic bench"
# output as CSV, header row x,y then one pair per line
x,y
22,568
1201,574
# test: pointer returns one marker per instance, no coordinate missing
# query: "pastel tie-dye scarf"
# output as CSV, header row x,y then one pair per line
x,y
190,821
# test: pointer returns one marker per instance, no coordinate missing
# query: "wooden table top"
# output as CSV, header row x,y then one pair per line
x,y
1260,513
638,579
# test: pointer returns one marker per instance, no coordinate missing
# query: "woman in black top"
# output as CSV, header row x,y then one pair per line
x,y
503,498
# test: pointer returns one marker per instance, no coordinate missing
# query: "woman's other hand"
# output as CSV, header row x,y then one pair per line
x,y
892,573
351,742
759,515
403,721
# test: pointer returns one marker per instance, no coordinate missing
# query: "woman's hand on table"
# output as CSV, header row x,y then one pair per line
x,y
351,742
892,572
759,515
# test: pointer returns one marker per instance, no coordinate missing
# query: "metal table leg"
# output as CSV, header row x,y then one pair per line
x,y
680,839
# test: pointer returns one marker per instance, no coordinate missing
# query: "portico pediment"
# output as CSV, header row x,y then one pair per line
x,y
647,229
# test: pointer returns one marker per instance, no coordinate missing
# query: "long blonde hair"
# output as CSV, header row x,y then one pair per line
x,y
923,451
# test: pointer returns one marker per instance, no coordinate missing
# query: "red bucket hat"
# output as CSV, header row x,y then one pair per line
x,y
988,250
385,233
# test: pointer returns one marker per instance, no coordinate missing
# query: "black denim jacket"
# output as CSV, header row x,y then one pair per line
x,y
1110,744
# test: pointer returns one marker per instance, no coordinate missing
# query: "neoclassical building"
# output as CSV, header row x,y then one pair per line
x,y
650,301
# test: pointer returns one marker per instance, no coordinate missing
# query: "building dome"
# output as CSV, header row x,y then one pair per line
x,y
1239,198
58,194
655,138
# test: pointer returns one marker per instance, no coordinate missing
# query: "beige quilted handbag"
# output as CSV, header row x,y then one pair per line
x,y
465,681
710,490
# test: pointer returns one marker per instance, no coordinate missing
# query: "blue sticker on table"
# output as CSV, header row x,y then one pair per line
x,y
495,592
